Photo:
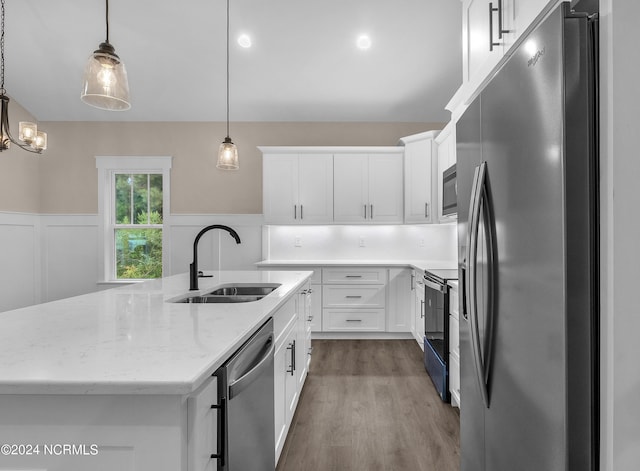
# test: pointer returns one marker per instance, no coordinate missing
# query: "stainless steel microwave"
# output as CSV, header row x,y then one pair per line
x,y
449,192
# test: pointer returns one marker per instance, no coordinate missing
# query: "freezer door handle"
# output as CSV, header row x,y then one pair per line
x,y
479,208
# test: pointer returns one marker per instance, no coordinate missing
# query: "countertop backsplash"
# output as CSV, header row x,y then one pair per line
x,y
392,242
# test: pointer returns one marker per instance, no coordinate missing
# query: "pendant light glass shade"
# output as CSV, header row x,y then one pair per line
x,y
105,80
228,155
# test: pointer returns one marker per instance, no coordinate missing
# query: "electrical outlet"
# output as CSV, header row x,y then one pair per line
x,y
297,241
361,242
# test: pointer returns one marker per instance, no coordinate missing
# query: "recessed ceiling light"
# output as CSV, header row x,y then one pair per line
x,y
244,40
363,42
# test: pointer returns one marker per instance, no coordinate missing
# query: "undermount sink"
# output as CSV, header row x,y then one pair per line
x,y
231,293
245,290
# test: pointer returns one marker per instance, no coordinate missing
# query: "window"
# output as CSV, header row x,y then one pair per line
x,y
133,200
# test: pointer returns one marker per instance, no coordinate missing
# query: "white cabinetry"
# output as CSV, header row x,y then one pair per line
x,y
454,346
292,331
286,330
368,187
418,177
297,188
446,151
400,300
354,299
482,43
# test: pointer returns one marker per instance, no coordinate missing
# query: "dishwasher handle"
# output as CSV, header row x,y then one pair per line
x,y
237,386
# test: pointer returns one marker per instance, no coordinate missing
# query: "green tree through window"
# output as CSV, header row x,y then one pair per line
x,y
138,225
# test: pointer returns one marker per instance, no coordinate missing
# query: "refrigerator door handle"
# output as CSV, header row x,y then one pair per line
x,y
477,193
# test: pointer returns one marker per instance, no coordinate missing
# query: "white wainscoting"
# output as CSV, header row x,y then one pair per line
x,y
70,252
19,260
44,257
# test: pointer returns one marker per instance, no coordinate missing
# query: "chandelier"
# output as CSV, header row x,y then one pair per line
x,y
29,138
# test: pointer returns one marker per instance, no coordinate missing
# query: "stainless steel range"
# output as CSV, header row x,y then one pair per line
x,y
436,328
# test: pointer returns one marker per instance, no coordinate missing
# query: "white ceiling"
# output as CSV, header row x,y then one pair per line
x,y
303,65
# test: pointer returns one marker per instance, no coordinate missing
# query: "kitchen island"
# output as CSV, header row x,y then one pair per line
x,y
121,379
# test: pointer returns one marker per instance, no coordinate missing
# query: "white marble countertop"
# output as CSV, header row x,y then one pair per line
x,y
130,340
417,264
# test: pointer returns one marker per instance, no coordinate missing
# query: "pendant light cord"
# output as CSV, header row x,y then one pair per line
x,y
227,66
2,90
107,20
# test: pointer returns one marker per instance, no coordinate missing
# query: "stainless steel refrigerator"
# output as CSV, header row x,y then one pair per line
x,y
528,252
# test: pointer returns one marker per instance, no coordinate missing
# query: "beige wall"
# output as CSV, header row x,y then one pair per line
x,y
68,175
19,189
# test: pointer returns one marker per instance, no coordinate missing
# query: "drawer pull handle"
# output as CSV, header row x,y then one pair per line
x,y
354,320
353,276
353,297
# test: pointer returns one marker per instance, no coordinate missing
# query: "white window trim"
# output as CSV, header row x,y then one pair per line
x,y
108,166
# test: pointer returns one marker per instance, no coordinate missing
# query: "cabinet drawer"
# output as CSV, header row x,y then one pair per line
x,y
353,296
360,320
354,276
454,337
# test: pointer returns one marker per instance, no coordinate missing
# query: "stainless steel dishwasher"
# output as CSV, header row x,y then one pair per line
x,y
246,436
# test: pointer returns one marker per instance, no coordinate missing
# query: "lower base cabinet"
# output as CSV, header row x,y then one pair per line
x,y
291,360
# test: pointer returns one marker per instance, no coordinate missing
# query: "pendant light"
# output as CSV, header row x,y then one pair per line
x,y
228,152
29,138
105,78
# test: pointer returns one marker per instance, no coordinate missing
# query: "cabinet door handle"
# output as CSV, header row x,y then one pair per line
x,y
293,357
491,42
292,367
354,320
365,211
222,427
371,212
301,212
295,211
426,210
501,30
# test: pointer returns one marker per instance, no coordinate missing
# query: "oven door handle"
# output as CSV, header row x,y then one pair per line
x,y
436,286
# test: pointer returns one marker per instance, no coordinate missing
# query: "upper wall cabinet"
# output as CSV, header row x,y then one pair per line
x,y
368,187
419,197
297,188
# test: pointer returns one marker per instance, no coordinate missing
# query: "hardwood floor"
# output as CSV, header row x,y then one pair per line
x,y
369,405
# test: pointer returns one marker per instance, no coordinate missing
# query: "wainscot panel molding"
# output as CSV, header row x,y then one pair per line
x,y
20,260
69,254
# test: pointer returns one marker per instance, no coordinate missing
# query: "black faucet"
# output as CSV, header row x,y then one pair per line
x,y
193,267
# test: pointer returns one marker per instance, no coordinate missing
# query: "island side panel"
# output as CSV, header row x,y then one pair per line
x,y
81,432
